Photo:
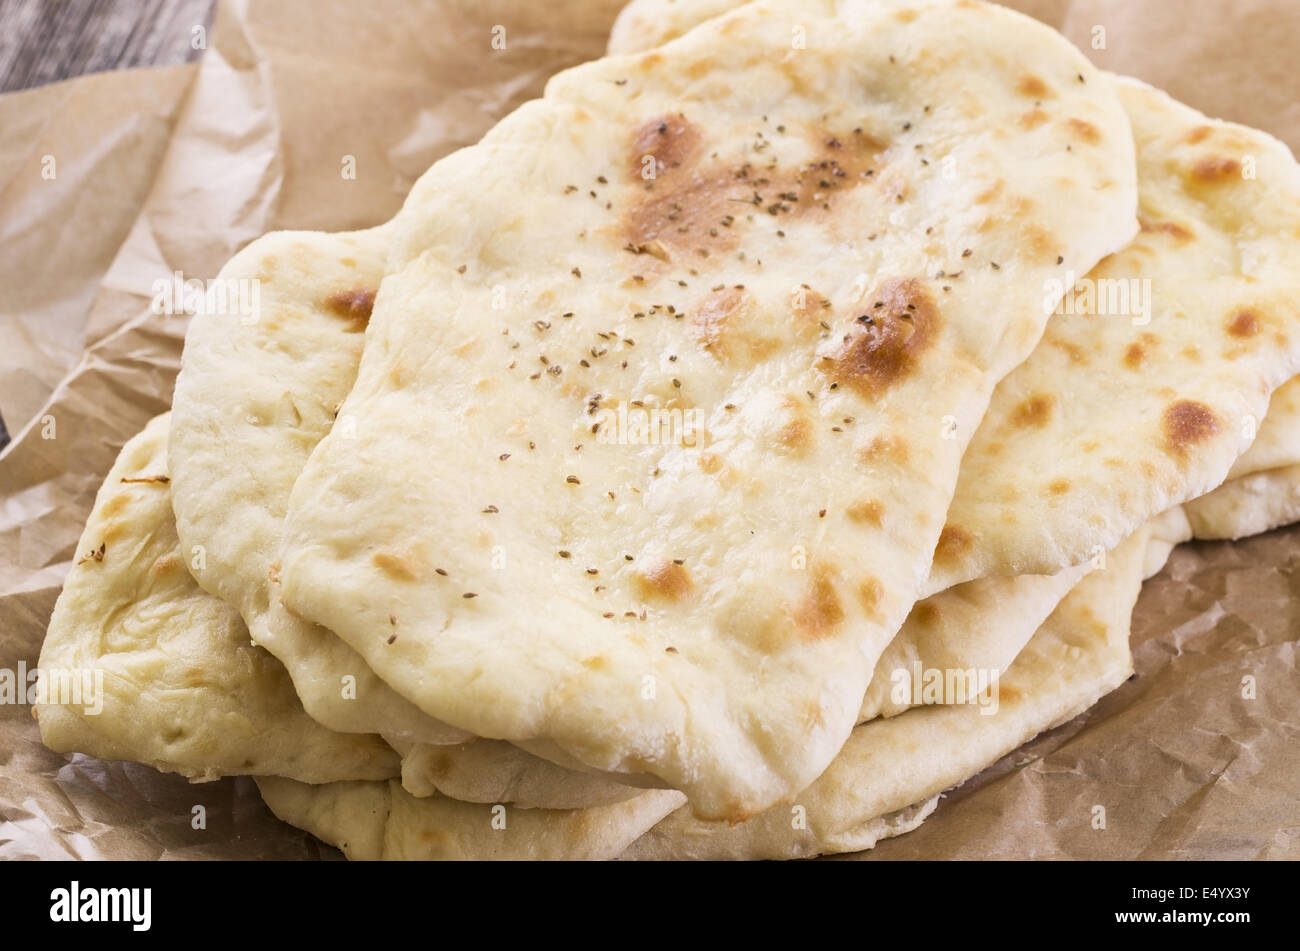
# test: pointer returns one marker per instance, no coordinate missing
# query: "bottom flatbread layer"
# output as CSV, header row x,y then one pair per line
x,y
884,782
166,673
370,820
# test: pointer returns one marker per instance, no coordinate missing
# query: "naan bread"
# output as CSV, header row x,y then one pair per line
x,y
493,771
183,688
263,392
1252,504
1160,411
1278,442
1079,654
979,625
1263,492
254,396
1108,423
370,821
519,307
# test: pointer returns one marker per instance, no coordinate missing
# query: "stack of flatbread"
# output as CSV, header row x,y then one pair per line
x,y
761,433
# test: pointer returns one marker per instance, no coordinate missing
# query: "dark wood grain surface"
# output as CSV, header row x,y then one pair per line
x,y
42,41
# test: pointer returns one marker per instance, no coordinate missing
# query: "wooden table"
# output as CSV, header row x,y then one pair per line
x,y
42,41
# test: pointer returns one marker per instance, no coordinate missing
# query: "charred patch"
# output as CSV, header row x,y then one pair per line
x,y
354,306
673,141
1186,423
895,325
700,209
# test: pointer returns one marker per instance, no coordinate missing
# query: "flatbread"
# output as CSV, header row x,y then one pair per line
x,y
1109,422
183,689
370,821
494,771
268,378
1079,654
1264,492
714,531
980,625
255,394
1250,505
1278,443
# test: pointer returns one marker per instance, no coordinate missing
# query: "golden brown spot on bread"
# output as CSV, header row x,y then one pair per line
x,y
165,565
1007,693
1215,170
1032,119
869,596
1186,423
710,463
1058,486
905,15
925,612
795,435
395,565
1071,350
672,140
1134,355
1244,323
1083,131
1033,87
890,449
1090,446
866,511
1034,411
1199,134
355,306
894,326
114,506
154,479
986,196
715,316
595,663
666,581
820,610
810,309
954,542
1171,228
